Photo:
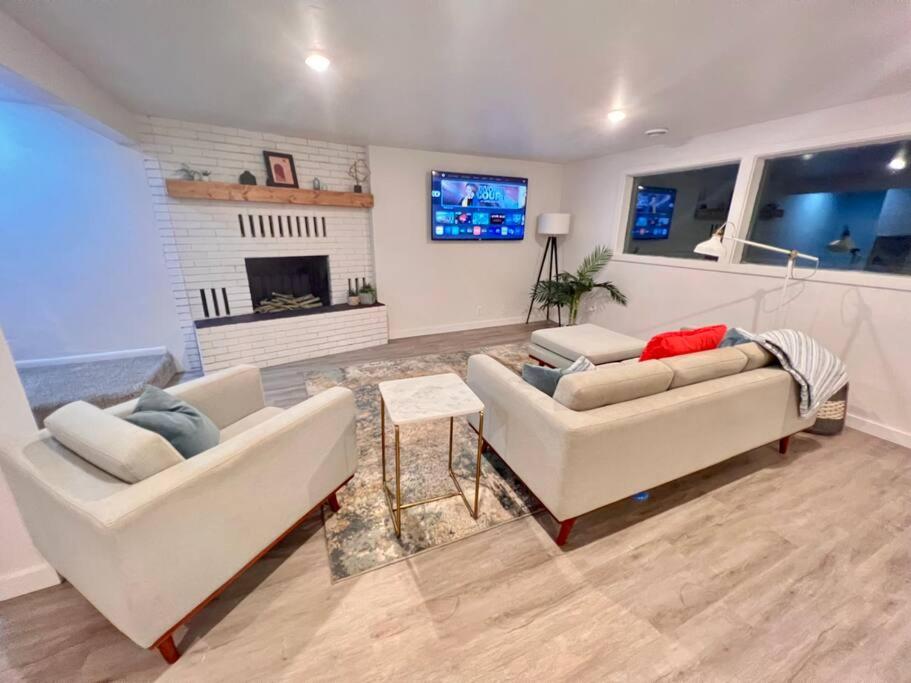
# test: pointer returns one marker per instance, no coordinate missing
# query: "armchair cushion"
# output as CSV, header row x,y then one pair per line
x,y
121,449
189,430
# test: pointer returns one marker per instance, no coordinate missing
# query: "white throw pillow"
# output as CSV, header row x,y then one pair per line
x,y
119,448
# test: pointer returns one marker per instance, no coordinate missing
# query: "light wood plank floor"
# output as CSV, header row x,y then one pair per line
x,y
760,568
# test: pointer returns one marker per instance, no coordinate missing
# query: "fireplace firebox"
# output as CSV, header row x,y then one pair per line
x,y
302,278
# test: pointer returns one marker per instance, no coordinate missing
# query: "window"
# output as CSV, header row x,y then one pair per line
x,y
670,213
849,207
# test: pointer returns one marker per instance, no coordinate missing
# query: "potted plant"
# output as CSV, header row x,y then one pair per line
x,y
567,289
367,295
353,299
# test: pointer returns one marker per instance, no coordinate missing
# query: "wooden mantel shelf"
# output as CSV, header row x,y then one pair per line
x,y
232,192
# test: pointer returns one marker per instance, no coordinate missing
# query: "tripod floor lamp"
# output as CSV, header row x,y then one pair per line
x,y
552,225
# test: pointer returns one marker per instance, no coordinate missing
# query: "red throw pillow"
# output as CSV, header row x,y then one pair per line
x,y
678,343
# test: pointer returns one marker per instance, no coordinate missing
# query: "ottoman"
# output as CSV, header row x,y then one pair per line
x,y
558,347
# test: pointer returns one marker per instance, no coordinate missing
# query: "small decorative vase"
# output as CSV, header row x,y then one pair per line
x,y
247,178
317,185
358,189
354,300
367,298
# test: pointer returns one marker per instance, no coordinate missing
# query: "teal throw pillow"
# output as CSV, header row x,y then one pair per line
x,y
187,429
546,379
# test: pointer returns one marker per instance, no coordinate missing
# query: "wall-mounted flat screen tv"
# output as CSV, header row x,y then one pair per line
x,y
468,206
654,211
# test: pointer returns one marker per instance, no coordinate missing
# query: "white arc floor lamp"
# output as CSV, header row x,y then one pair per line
x,y
714,247
552,225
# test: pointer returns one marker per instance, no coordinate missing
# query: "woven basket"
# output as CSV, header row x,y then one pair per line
x,y
830,419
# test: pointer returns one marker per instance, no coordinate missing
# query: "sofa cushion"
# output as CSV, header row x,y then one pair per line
x,y
757,357
121,449
547,379
596,343
679,342
613,384
250,421
692,368
186,428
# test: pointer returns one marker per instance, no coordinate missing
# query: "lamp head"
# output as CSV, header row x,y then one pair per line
x,y
713,246
844,244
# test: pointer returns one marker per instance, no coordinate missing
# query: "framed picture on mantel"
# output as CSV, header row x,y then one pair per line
x,y
280,170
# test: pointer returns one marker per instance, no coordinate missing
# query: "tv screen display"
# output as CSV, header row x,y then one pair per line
x,y
654,210
468,206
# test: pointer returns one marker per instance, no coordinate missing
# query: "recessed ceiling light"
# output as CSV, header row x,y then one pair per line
x,y
654,132
317,62
898,162
808,156
616,116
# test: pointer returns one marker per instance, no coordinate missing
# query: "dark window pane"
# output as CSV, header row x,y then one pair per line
x,y
671,213
850,207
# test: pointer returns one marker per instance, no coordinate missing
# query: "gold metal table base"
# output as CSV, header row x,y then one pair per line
x,y
394,501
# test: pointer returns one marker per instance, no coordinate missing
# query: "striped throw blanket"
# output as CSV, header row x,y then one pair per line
x,y
818,371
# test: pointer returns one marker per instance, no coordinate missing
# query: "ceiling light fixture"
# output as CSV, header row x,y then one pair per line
x,y
317,62
655,132
616,116
899,162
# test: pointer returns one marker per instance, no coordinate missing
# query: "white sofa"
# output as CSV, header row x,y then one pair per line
x,y
149,554
628,427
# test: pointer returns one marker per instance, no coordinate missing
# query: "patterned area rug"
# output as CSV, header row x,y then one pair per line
x,y
361,537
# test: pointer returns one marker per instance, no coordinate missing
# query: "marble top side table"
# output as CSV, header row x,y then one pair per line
x,y
420,399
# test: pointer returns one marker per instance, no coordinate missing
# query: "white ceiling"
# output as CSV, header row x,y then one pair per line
x,y
516,78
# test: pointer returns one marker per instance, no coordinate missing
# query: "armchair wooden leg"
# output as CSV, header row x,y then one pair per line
x,y
168,650
565,527
333,502
783,444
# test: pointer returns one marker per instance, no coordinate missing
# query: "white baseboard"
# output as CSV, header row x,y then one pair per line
x,y
882,431
27,580
91,357
458,327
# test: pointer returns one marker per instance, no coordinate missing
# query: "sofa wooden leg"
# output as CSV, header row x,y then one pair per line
x,y
333,502
565,527
783,444
168,650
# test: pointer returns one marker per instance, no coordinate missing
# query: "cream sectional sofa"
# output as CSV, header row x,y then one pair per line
x,y
628,427
149,549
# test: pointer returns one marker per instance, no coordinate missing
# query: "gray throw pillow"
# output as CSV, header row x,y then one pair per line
x,y
188,430
546,379
733,337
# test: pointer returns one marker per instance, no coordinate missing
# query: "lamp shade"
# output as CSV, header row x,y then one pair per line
x,y
845,243
711,247
553,223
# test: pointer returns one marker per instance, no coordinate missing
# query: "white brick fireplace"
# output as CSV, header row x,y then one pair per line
x,y
206,243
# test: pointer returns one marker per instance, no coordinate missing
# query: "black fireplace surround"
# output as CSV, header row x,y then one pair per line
x,y
295,275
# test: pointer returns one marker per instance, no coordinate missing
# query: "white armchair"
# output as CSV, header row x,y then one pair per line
x,y
149,555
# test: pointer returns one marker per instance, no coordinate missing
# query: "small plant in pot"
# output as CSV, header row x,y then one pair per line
x,y
353,299
567,289
367,295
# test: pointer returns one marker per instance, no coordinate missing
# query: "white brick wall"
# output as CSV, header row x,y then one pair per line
x,y
284,340
202,240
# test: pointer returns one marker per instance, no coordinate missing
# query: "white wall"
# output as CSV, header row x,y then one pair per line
x,y
81,267
866,319
63,86
441,286
22,569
